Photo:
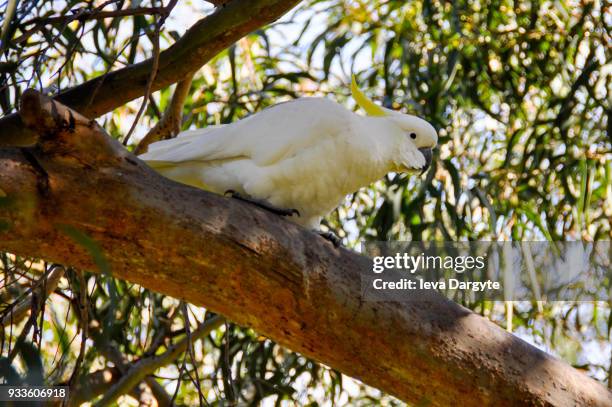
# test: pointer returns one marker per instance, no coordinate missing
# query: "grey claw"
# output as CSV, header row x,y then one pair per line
x,y
262,204
331,236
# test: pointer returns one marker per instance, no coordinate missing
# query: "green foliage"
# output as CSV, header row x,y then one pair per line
x,y
520,94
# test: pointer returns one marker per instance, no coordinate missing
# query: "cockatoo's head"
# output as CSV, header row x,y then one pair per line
x,y
418,132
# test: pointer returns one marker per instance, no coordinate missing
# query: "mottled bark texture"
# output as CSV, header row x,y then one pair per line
x,y
78,198
200,44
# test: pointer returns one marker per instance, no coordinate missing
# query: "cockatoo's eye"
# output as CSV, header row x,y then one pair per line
x,y
413,136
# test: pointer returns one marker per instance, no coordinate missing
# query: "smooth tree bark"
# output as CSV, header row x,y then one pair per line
x,y
79,198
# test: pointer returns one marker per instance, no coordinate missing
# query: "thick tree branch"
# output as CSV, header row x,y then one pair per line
x,y
201,42
259,271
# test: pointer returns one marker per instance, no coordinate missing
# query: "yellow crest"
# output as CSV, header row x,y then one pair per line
x,y
371,108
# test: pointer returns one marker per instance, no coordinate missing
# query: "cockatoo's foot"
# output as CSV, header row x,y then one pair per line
x,y
263,204
332,237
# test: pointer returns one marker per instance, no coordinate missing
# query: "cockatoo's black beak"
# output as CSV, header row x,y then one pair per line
x,y
428,154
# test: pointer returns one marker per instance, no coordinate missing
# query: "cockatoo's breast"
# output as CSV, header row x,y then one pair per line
x,y
315,181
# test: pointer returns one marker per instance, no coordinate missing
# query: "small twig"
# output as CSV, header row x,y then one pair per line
x,y
96,14
230,381
20,310
170,123
110,66
38,58
160,394
43,301
147,93
146,366
196,380
84,391
35,308
181,369
82,301
154,107
9,13
24,332
61,329
69,54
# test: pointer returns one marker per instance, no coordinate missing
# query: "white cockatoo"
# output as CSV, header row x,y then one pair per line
x,y
304,155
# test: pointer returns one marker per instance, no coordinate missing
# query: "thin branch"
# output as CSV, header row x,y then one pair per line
x,y
87,390
96,14
20,311
228,380
150,81
160,394
82,15
147,94
9,13
82,301
35,306
196,379
147,366
111,64
170,123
